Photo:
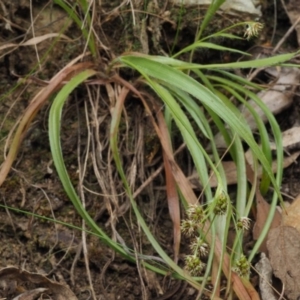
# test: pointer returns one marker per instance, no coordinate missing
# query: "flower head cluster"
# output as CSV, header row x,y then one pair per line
x,y
195,212
189,227
243,223
199,247
242,267
194,265
253,29
195,216
221,204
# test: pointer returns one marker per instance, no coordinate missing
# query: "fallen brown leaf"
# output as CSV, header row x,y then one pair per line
x,y
287,161
265,271
231,172
12,276
284,251
290,139
291,215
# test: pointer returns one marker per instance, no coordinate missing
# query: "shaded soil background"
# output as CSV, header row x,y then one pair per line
x,y
54,250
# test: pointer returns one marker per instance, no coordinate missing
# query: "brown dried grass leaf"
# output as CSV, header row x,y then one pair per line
x,y
286,162
284,251
290,139
182,181
36,103
32,294
231,172
291,215
172,195
14,276
36,40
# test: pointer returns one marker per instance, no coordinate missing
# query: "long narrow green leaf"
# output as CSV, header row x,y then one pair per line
x,y
230,115
113,143
216,119
200,44
224,32
257,63
210,13
72,14
239,79
55,145
54,136
263,133
279,152
193,109
223,35
198,155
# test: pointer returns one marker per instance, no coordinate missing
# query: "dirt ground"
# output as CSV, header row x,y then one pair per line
x,y
56,251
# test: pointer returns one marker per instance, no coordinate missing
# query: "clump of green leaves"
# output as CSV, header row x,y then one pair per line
x,y
197,97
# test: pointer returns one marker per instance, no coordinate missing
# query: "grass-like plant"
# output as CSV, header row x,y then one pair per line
x,y
184,97
193,100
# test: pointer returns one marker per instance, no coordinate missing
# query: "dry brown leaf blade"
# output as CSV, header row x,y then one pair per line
x,y
287,161
37,102
34,41
284,251
290,139
172,195
22,277
230,173
31,295
38,39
